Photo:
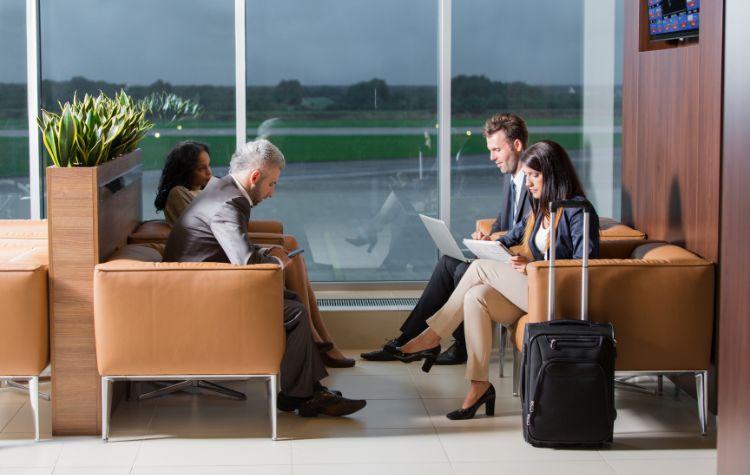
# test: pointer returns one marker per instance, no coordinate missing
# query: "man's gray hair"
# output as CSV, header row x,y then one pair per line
x,y
256,155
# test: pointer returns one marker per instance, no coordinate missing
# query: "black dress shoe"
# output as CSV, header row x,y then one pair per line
x,y
429,356
288,403
381,354
330,404
488,399
456,354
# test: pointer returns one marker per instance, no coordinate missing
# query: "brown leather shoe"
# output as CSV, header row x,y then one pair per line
x,y
330,404
332,362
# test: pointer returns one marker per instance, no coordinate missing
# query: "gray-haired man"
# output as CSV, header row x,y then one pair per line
x,y
214,229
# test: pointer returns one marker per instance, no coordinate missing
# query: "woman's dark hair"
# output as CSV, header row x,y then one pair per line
x,y
178,169
560,180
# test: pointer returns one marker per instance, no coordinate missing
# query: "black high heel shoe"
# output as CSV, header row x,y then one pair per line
x,y
488,399
429,356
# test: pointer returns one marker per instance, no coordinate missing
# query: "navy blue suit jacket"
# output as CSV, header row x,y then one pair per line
x,y
568,235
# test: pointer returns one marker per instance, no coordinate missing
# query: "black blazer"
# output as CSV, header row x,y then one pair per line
x,y
506,207
568,235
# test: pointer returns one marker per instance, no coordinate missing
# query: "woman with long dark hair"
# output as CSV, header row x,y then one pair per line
x,y
498,291
186,172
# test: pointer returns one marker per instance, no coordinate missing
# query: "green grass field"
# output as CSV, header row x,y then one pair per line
x,y
296,148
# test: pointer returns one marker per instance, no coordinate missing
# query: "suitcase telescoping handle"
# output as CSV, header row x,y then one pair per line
x,y
554,207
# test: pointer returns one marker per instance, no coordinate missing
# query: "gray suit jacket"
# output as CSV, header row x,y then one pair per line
x,y
214,228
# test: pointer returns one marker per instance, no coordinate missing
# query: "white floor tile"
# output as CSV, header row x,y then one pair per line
x,y
25,471
655,445
214,470
88,452
27,453
7,412
91,470
375,469
23,421
371,446
662,466
213,452
500,443
378,414
530,467
399,386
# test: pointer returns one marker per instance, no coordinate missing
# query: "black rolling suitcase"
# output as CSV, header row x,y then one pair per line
x,y
567,378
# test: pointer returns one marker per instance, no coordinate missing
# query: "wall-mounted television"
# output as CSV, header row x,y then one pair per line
x,y
673,19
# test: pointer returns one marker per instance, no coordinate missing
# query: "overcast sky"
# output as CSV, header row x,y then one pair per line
x,y
314,41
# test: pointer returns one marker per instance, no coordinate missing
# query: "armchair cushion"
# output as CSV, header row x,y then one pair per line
x,y
662,310
155,318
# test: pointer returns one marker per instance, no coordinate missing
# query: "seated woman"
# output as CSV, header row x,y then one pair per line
x,y
186,172
497,291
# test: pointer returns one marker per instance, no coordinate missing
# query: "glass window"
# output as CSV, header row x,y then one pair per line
x,y
182,47
530,58
14,131
351,100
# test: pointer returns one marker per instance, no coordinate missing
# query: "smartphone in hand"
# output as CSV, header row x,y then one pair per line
x,y
295,252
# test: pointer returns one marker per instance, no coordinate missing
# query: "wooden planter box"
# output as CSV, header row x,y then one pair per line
x,y
91,211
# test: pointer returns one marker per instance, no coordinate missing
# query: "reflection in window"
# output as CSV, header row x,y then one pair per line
x,y
351,101
14,132
182,48
501,64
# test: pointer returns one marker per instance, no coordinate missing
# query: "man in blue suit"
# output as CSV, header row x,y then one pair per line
x,y
507,137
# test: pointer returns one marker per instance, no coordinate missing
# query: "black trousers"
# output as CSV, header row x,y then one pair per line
x,y
301,365
445,277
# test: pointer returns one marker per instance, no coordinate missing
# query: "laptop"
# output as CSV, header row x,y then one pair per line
x,y
443,238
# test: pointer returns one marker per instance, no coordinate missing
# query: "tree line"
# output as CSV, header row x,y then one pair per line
x,y
471,95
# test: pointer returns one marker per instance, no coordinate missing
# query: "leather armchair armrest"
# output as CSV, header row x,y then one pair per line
x,y
154,318
662,311
24,323
267,226
264,239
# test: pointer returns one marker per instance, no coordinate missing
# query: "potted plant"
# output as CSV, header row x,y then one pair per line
x,y
93,203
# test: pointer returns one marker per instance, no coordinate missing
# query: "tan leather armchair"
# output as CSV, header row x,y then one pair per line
x,y
24,313
186,321
609,229
659,298
157,230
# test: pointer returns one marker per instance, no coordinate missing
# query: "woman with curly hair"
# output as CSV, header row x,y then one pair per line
x,y
186,172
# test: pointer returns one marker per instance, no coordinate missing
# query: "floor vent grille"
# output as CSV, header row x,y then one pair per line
x,y
398,304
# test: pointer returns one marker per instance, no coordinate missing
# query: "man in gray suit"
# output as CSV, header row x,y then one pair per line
x,y
214,229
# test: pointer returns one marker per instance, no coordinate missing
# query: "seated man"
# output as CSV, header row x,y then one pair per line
x,y
214,229
507,137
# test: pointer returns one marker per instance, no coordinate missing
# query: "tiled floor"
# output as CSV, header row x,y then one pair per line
x,y
402,431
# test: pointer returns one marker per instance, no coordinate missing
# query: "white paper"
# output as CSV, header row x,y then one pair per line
x,y
487,250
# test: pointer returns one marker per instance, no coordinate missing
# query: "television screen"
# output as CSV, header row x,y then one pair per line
x,y
670,19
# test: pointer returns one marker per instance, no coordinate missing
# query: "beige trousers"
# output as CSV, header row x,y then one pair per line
x,y
489,291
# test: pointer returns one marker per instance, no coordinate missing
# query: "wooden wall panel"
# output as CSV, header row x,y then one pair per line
x,y
672,132
86,222
734,296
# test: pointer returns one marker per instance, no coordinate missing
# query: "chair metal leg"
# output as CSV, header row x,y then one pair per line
x,y
15,385
208,385
106,386
660,384
34,400
271,385
516,371
183,385
503,339
701,389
